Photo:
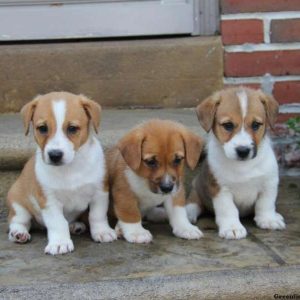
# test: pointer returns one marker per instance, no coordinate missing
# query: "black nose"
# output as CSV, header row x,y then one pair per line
x,y
55,156
242,152
166,187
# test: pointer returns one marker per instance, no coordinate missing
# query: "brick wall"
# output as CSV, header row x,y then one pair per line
x,y
262,50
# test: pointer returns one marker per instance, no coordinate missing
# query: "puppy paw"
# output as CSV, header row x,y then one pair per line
x,y
141,236
273,221
59,247
77,228
193,211
104,235
188,231
21,236
233,232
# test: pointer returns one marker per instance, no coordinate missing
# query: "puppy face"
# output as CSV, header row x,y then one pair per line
x,y
238,118
158,150
61,124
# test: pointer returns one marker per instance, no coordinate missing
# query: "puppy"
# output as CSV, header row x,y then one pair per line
x,y
66,175
146,169
240,173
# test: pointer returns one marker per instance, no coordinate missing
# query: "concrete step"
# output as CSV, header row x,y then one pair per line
x,y
258,267
174,72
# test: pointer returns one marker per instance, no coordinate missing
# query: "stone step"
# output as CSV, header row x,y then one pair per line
x,y
257,267
173,72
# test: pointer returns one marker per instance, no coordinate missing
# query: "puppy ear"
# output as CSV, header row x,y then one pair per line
x,y
27,113
93,111
130,147
193,145
271,107
206,111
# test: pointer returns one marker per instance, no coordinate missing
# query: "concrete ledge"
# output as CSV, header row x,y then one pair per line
x,y
175,72
15,148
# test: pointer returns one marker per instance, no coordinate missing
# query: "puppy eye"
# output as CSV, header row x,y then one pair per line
x,y
72,129
177,161
228,126
255,125
151,163
43,129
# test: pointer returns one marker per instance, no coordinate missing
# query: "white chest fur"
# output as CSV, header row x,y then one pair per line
x,y
244,179
147,199
73,185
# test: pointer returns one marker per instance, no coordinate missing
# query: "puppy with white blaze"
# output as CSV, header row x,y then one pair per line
x,y
239,176
65,177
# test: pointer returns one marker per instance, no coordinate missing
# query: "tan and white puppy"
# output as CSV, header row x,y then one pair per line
x,y
66,175
240,173
146,169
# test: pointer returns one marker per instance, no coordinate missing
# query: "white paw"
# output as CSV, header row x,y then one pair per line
x,y
133,232
104,235
233,232
140,236
193,211
59,247
157,214
77,228
188,231
19,236
273,221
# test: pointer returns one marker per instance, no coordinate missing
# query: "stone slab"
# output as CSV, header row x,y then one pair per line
x,y
174,72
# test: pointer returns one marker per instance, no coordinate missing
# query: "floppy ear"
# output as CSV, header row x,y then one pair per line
x,y
93,111
193,147
27,113
271,107
206,111
130,147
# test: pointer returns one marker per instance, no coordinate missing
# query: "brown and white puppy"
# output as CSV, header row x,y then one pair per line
x,y
146,169
65,176
240,173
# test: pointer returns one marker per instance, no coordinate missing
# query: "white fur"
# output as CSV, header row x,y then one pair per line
x,y
147,199
134,232
242,138
245,185
60,141
193,211
243,100
177,215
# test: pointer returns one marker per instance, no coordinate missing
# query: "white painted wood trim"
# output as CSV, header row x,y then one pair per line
x,y
135,18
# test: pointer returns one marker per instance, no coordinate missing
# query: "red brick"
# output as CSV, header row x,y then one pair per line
x,y
243,6
285,31
287,92
242,31
284,62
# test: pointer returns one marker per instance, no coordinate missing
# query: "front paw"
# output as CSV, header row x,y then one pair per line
x,y
134,233
234,231
273,221
104,235
59,247
188,231
19,236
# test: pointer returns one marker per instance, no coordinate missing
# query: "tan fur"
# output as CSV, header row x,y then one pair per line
x,y
224,106
79,112
163,140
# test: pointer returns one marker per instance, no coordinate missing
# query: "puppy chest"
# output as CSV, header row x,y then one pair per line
x,y
75,200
